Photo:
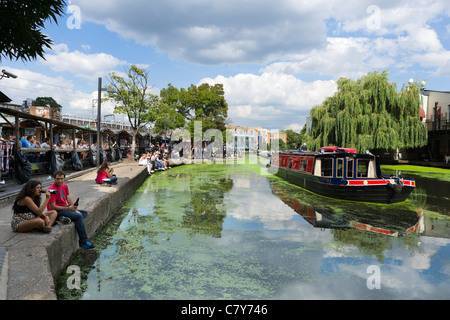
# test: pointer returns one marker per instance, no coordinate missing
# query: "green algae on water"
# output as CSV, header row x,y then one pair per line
x,y
212,231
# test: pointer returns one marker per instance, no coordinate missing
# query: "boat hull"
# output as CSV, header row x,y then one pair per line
x,y
359,190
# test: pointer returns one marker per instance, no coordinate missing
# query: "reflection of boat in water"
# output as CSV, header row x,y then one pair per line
x,y
341,173
360,218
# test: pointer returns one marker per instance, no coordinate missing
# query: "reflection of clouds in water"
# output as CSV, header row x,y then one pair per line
x,y
250,203
350,282
402,275
271,211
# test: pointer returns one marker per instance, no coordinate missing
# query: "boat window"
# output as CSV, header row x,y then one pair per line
x,y
303,164
366,168
349,168
327,167
340,168
290,161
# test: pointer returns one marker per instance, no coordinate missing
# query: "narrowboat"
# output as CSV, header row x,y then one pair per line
x,y
341,173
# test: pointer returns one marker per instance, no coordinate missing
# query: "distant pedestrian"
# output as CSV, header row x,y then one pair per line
x,y
28,212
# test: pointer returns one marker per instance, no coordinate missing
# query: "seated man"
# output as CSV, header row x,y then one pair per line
x,y
62,202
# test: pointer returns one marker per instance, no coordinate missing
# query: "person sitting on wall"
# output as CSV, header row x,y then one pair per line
x,y
28,212
145,160
105,174
156,163
67,209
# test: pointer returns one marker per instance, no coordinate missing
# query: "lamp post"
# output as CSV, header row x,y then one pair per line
x,y
99,117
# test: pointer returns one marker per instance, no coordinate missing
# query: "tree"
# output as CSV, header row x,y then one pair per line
x,y
47,102
21,24
168,118
293,140
368,114
133,98
206,103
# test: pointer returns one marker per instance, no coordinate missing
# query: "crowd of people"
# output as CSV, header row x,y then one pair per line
x,y
154,160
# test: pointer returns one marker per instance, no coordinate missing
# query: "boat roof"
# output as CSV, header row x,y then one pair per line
x,y
326,151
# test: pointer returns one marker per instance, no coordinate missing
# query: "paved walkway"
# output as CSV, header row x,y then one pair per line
x,y
30,261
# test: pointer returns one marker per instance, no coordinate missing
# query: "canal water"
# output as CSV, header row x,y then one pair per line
x,y
216,231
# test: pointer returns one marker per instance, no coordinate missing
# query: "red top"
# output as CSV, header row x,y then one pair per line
x,y
100,176
60,198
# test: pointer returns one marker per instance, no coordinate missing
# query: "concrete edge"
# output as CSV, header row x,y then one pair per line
x,y
3,273
28,273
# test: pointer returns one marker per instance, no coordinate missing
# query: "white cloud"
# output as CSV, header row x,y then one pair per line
x,y
214,32
32,85
81,64
271,97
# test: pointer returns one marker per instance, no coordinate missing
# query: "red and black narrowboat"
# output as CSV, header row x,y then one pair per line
x,y
341,173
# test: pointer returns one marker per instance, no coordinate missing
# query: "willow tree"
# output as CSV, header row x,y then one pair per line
x,y
368,113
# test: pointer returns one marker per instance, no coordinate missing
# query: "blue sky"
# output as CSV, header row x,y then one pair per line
x,y
277,59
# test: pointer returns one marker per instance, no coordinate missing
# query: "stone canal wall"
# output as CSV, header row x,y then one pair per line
x,y
31,261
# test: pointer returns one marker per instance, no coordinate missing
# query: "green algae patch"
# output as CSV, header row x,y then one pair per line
x,y
423,171
416,168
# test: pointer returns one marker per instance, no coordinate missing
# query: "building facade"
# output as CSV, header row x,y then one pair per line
x,y
435,113
253,139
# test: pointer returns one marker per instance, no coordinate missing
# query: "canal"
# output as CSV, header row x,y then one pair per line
x,y
216,231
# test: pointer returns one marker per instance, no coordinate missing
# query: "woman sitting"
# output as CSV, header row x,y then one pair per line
x,y
143,159
28,212
105,174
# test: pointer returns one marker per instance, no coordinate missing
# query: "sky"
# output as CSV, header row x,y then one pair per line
x,y
276,59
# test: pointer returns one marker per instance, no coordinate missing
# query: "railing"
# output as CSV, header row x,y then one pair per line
x,y
83,121
442,124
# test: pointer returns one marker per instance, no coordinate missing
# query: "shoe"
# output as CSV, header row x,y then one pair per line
x,y
64,220
87,245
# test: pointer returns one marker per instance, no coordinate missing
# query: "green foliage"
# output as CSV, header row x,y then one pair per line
x,y
133,97
368,114
47,102
293,140
203,103
169,118
21,24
